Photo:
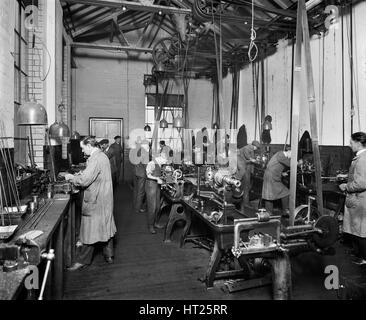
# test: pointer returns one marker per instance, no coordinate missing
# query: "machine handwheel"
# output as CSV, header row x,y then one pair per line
x,y
301,215
330,229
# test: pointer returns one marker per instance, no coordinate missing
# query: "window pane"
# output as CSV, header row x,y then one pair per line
x,y
23,57
20,144
23,88
16,50
23,29
16,86
16,15
150,116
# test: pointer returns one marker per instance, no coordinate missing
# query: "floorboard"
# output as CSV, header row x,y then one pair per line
x,y
147,268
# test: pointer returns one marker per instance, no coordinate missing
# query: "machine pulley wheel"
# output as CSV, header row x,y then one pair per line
x,y
168,53
329,227
301,215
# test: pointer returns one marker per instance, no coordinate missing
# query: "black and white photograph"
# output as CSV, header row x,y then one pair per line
x,y
180,156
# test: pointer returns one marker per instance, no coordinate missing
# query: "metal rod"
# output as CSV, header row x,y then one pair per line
x,y
109,47
132,5
295,116
13,172
51,157
4,193
301,233
31,145
29,153
49,256
312,110
11,186
2,207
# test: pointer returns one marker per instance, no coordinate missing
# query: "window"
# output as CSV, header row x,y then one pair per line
x,y
20,55
174,108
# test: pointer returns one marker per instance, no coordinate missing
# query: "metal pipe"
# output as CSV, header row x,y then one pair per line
x,y
31,144
291,235
11,183
109,47
51,157
12,173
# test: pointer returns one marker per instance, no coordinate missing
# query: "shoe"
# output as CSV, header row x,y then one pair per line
x,y
152,230
359,261
142,210
159,226
76,266
109,260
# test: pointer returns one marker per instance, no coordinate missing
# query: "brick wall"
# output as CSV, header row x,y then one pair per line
x,y
40,60
36,73
109,85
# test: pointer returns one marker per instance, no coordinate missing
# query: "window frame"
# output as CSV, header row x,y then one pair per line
x,y
175,139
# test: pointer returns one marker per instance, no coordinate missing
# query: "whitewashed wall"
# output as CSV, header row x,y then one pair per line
x,y
328,85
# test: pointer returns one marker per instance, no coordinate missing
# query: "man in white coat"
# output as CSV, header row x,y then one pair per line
x,y
354,221
97,222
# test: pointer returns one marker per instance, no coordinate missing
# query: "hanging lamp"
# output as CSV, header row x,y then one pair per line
x,y
31,113
59,129
147,128
75,136
178,122
163,124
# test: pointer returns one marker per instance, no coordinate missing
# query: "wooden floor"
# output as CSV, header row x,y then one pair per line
x,y
146,268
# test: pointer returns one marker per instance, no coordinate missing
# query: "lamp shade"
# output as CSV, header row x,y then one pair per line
x,y
147,128
59,130
31,113
163,124
178,122
75,136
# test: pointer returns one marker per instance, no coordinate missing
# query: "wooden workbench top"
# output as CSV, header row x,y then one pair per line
x,y
11,282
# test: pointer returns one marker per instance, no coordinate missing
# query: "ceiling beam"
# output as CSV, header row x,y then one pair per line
x,y
133,6
120,35
109,47
98,22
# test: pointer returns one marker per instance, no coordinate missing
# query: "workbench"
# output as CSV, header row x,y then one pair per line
x,y
333,197
222,235
56,220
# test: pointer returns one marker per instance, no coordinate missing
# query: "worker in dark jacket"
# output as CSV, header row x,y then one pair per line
x,y
104,146
117,150
273,188
139,194
246,160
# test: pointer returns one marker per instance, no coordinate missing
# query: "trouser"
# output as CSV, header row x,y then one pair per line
x,y
84,254
246,183
153,201
268,204
114,181
139,192
359,245
118,172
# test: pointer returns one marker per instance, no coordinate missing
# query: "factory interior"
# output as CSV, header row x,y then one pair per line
x,y
182,150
